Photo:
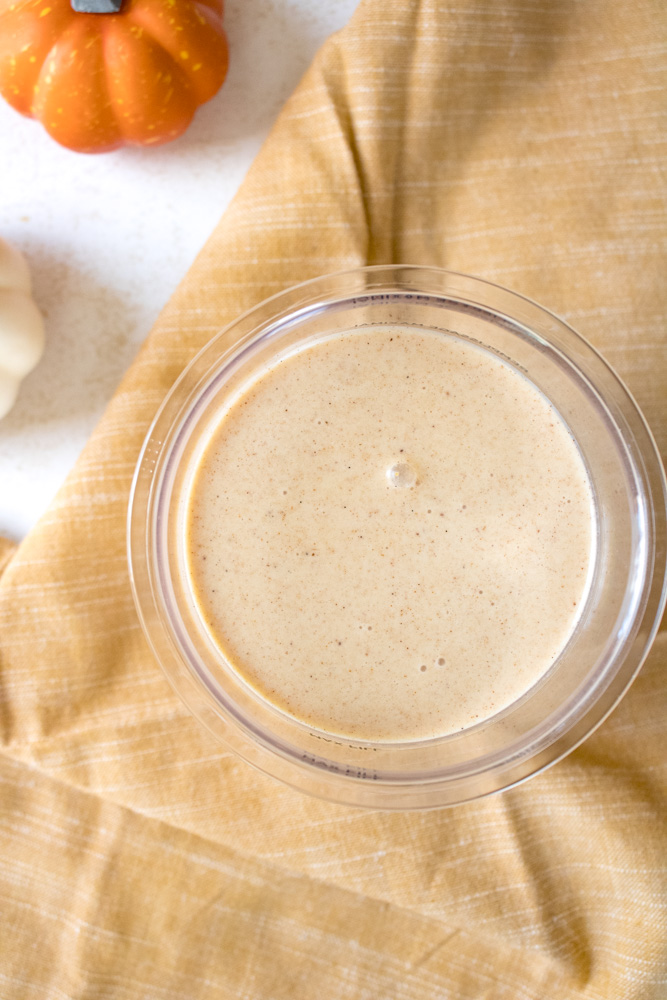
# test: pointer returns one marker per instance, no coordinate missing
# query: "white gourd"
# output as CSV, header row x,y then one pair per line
x,y
21,325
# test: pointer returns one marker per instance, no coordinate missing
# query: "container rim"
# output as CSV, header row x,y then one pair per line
x,y
312,773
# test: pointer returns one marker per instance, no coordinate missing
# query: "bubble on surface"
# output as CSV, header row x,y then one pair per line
x,y
401,475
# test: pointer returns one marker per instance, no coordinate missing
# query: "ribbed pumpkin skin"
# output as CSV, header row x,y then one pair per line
x,y
100,81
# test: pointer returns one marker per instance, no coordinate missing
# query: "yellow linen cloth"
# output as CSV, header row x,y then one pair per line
x,y
522,141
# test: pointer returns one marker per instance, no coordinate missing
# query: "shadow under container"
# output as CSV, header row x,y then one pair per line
x,y
623,605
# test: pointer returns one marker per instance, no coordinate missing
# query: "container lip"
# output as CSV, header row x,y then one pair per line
x,y
416,790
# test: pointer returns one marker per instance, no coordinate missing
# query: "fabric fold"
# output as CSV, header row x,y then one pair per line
x,y
7,550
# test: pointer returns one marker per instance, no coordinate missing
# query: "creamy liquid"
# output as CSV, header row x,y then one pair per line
x,y
389,534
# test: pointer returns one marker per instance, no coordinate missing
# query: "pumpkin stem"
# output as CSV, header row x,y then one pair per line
x,y
96,6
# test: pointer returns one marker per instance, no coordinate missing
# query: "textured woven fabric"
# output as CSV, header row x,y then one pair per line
x,y
522,141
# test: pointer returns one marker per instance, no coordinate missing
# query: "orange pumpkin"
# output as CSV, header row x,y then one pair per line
x,y
99,81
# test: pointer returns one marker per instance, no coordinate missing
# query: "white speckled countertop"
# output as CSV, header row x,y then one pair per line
x,y
109,237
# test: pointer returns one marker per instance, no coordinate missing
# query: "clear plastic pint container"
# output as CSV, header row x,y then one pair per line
x,y
624,601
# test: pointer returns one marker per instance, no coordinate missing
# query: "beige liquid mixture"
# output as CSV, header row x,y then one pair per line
x,y
389,534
